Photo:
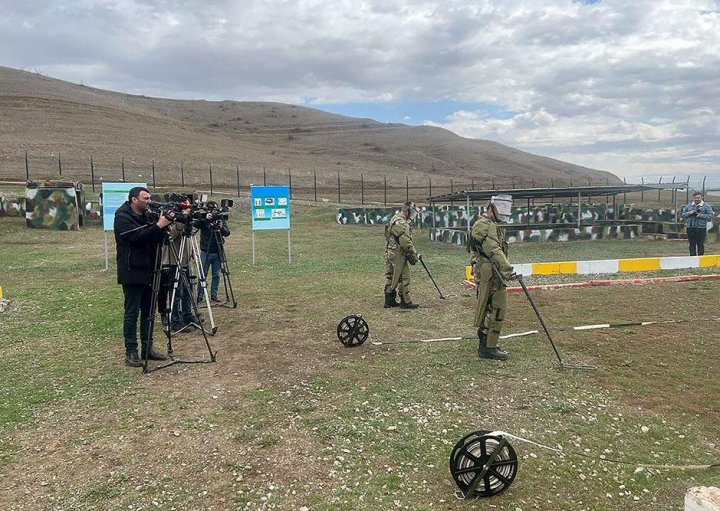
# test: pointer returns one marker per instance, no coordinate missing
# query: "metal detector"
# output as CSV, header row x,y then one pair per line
x,y
542,322
431,277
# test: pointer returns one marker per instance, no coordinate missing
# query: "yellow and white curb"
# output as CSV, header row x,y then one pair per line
x,y
618,265
612,265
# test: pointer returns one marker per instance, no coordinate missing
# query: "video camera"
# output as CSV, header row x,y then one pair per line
x,y
218,212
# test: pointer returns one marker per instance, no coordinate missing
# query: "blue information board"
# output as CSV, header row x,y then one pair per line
x,y
270,207
114,195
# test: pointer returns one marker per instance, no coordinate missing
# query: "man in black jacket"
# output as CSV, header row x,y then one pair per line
x,y
137,239
213,231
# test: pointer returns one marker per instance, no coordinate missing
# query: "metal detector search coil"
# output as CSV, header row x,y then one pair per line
x,y
483,464
353,330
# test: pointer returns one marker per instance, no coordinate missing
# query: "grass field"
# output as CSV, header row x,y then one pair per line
x,y
287,418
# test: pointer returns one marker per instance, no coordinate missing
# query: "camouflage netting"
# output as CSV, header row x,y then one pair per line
x,y
549,222
58,205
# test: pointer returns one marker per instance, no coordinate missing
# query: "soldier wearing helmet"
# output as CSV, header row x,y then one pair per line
x,y
399,253
488,247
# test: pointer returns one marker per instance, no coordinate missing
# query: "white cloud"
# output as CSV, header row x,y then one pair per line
x,y
612,84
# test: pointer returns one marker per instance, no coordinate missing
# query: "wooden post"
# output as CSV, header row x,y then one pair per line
x,y
92,173
211,181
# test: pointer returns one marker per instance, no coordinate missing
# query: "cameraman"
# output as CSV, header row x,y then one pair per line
x,y
696,215
137,239
213,231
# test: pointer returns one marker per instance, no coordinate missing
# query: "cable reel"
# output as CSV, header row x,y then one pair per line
x,y
483,464
353,330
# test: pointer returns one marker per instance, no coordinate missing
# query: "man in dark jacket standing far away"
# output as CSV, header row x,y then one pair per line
x,y
137,240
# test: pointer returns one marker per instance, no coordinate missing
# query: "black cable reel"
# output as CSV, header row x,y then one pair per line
x,y
353,330
483,464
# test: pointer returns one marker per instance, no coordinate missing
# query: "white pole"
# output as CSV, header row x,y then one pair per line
x,y
106,252
289,254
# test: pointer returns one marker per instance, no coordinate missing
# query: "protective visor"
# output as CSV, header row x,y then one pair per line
x,y
503,206
412,209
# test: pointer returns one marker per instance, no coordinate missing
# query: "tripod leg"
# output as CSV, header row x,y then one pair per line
x,y
195,254
225,270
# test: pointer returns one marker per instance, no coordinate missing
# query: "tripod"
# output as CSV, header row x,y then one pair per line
x,y
182,278
225,271
189,239
216,238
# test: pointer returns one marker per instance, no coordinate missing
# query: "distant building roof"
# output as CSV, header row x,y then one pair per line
x,y
548,193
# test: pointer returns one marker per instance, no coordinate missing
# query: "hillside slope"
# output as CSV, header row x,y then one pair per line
x,y
45,116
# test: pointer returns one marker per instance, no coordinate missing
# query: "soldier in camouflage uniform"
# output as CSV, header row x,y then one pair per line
x,y
488,247
399,252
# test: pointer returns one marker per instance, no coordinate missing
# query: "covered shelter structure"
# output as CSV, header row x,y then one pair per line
x,y
470,197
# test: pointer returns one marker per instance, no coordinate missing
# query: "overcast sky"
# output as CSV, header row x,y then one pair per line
x,y
629,86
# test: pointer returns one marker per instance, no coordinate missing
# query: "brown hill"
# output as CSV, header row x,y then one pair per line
x,y
47,117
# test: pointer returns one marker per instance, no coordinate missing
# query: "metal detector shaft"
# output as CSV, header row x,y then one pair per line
x,y
542,321
532,303
430,275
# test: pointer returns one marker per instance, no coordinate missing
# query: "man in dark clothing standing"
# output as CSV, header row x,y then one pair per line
x,y
696,215
137,240
213,231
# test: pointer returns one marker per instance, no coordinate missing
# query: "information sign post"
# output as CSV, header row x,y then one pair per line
x,y
113,196
270,207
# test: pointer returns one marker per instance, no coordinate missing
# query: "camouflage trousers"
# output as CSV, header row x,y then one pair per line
x,y
403,282
491,302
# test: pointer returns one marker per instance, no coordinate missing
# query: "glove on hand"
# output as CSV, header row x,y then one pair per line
x,y
412,258
510,275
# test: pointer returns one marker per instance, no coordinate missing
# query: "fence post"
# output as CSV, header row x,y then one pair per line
x,y
407,189
429,186
493,184
153,174
385,188
338,181
289,184
659,182
625,193
642,192
703,188
472,183
264,177
237,168
59,164
122,166
315,183
92,173
362,190
27,167
211,183
182,175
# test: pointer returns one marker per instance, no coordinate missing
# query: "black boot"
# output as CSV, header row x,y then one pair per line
x,y
407,305
132,359
390,299
152,354
493,353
